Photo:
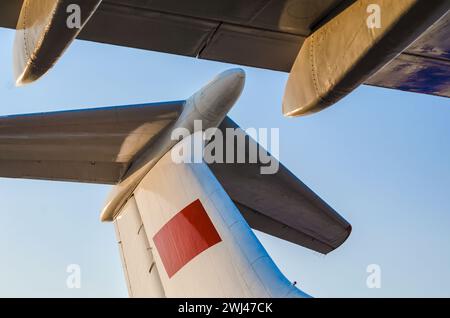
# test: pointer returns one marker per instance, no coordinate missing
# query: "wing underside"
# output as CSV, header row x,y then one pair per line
x,y
262,33
424,67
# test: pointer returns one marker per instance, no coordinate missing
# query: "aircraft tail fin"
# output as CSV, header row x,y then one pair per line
x,y
181,235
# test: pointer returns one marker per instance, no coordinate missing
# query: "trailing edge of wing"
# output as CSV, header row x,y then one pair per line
x,y
424,67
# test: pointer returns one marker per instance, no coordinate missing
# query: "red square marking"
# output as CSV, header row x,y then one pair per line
x,y
186,235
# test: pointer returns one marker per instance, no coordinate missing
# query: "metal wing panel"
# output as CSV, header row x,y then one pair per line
x,y
435,43
58,170
146,29
424,67
280,204
253,47
290,16
94,145
262,33
417,74
9,13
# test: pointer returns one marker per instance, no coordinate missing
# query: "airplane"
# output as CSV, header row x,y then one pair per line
x,y
184,229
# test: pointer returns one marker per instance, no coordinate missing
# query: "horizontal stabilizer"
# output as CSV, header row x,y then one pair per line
x,y
280,204
94,145
99,145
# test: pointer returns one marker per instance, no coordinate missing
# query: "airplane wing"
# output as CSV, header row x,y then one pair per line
x,y
266,34
263,34
234,31
99,145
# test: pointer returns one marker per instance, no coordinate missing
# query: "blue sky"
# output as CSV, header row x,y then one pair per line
x,y
379,157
